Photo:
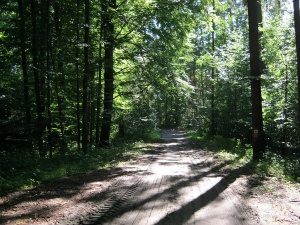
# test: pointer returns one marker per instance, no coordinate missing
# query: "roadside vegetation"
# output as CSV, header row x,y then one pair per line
x,y
20,171
275,166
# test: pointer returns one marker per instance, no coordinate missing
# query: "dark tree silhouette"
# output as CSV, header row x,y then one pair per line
x,y
109,30
255,73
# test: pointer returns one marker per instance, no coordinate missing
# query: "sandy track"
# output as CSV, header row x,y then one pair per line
x,y
175,183
182,186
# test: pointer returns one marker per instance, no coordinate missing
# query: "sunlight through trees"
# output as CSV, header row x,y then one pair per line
x,y
76,75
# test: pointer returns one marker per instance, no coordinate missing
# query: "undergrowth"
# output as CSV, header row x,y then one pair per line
x,y
20,171
273,165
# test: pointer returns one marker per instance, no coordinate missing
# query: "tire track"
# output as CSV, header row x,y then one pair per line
x,y
177,185
112,207
101,212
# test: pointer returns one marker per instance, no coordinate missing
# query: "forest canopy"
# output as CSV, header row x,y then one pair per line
x,y
77,75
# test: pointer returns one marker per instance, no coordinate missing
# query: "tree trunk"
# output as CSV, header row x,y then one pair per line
x,y
166,110
108,72
255,72
49,113
212,116
40,123
92,108
86,74
99,88
297,32
59,77
78,80
284,112
60,116
24,61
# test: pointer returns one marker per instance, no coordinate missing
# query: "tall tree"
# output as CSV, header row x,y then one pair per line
x,y
86,75
24,60
255,73
108,7
99,87
40,123
297,32
77,75
212,119
49,112
58,65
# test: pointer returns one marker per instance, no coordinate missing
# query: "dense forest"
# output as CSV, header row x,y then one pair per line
x,y
85,74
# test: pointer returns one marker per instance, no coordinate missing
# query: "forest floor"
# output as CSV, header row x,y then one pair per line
x,y
177,182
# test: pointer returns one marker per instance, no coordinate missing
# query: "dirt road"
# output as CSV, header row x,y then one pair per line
x,y
174,183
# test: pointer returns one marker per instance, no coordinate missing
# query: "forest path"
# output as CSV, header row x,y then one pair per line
x,y
183,185
177,182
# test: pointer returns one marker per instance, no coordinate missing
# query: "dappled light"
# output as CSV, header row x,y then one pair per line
x,y
149,112
172,183
172,144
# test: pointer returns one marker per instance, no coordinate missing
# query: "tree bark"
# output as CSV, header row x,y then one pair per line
x,y
40,123
92,106
258,139
86,74
297,33
49,113
24,61
78,79
108,71
212,116
59,76
99,88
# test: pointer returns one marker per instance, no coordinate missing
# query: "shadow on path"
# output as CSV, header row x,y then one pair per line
x,y
173,145
187,210
183,214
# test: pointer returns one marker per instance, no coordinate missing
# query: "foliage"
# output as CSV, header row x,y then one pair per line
x,y
175,63
19,171
285,169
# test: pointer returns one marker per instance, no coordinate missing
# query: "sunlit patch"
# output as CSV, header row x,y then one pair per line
x,y
172,144
174,139
180,134
94,184
170,170
180,139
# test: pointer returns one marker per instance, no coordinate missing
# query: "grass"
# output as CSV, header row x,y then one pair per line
x,y
20,171
285,169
